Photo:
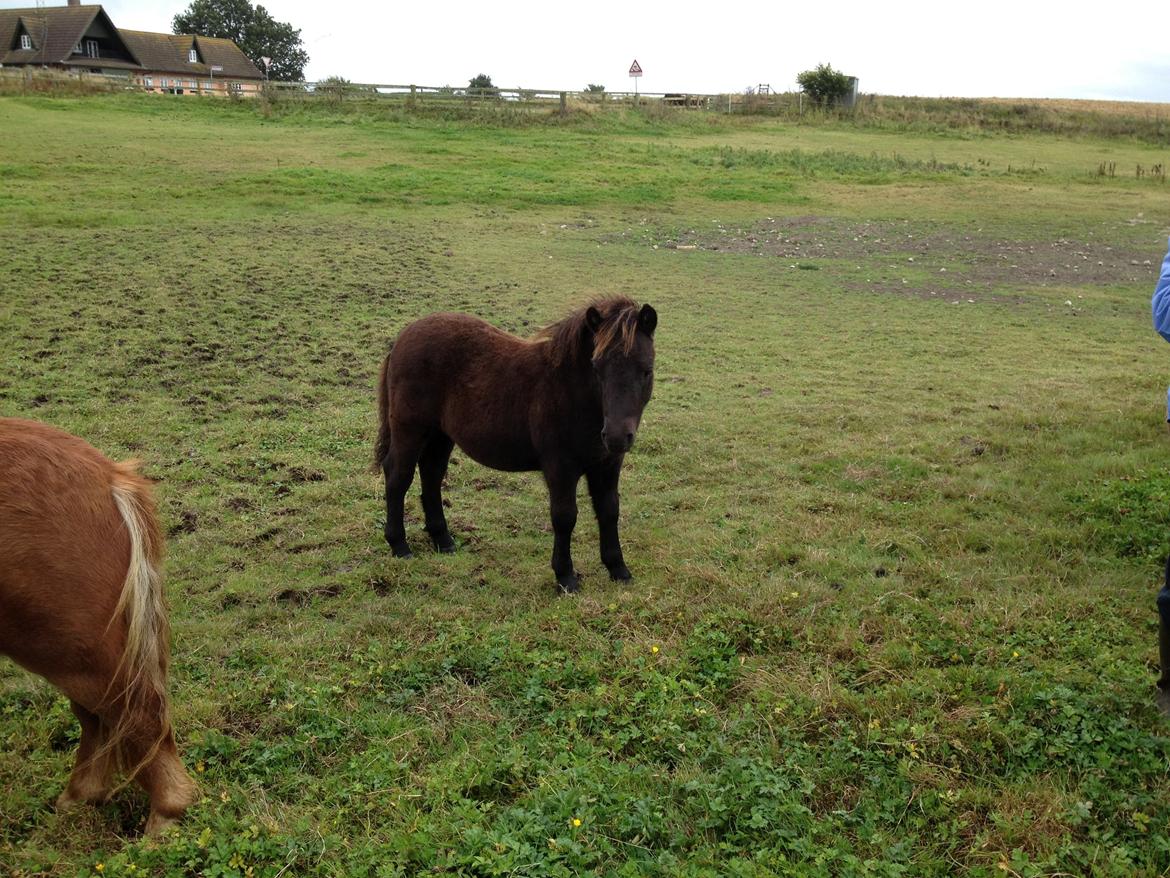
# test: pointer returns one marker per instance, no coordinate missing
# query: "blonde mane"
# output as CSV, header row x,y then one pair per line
x,y
619,325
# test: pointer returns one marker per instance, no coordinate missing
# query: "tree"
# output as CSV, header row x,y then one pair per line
x,y
337,87
482,85
594,88
824,85
256,32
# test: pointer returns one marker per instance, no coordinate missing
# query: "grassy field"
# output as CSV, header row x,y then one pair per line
x,y
896,513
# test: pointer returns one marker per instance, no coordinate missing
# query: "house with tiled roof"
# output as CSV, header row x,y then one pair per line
x,y
82,39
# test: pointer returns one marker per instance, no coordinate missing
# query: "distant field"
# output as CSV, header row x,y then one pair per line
x,y
1109,108
896,513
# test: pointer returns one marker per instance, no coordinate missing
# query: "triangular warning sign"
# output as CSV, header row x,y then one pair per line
x,y
635,68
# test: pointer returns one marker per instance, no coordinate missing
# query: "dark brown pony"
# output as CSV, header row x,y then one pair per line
x,y
567,403
81,604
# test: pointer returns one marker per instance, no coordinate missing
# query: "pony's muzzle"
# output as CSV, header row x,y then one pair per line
x,y
620,438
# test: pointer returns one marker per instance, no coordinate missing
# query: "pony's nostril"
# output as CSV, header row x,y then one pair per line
x,y
629,439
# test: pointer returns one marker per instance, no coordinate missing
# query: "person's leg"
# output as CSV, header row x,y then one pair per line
x,y
1164,643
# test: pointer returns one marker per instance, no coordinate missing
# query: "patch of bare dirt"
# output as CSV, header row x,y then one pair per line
x,y
925,260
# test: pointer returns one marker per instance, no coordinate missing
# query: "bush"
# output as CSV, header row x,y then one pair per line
x,y
481,85
824,85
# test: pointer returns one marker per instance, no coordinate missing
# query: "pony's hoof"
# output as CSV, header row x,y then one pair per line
x,y
570,583
157,824
70,799
445,546
620,573
66,801
401,550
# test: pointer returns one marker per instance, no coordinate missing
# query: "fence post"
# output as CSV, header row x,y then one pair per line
x,y
564,103
410,100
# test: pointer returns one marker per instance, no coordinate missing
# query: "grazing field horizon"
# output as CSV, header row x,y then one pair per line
x,y
896,513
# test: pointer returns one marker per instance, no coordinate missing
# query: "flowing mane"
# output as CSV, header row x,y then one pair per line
x,y
619,324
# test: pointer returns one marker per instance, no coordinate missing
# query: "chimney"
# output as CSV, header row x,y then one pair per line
x,y
74,2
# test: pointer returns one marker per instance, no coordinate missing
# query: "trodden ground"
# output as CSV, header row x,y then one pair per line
x,y
896,513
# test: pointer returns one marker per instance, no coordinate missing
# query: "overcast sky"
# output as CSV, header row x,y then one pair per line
x,y
1118,50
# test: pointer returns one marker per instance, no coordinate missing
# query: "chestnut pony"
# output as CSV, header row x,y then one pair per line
x,y
81,604
566,402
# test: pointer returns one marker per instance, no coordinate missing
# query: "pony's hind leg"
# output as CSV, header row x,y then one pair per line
x,y
398,468
93,769
432,467
168,784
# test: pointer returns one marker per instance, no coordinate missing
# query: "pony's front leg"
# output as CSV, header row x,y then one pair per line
x,y
603,490
562,495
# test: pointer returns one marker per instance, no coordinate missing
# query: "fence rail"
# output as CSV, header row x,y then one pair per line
x,y
418,93
29,79
534,97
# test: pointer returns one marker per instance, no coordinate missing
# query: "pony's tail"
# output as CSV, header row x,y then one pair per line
x,y
382,446
142,671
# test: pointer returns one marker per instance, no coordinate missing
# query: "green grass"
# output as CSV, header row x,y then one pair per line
x,y
895,529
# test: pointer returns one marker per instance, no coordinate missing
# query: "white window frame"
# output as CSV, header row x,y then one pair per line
x,y
192,56
148,81
25,41
91,48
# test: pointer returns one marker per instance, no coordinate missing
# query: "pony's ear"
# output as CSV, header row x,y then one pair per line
x,y
647,319
593,319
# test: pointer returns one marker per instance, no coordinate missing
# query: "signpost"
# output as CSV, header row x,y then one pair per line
x,y
635,72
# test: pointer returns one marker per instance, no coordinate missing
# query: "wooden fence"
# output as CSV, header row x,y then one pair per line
x,y
34,80
529,97
534,98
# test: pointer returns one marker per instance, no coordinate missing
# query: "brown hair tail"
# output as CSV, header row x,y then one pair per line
x,y
382,446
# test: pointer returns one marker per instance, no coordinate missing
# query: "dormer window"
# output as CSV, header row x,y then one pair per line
x,y
25,41
91,48
193,56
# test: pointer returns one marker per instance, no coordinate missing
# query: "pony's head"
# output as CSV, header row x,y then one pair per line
x,y
614,339
623,365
